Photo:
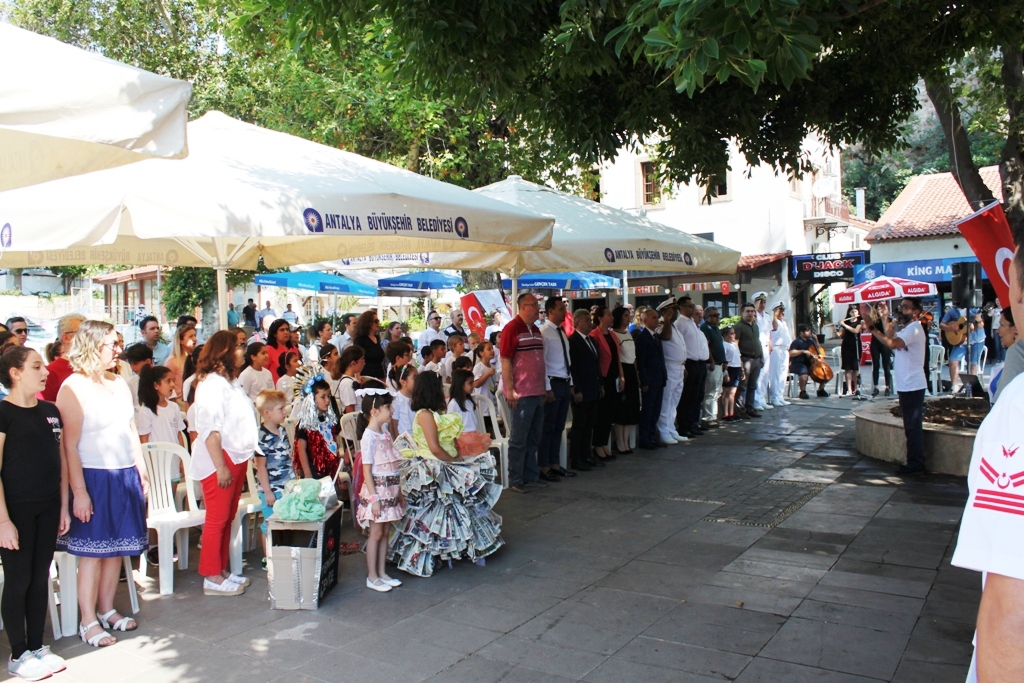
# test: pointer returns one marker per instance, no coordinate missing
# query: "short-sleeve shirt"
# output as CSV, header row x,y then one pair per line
x,y
993,520
276,448
164,426
976,336
468,416
254,381
524,345
31,470
799,364
347,392
908,362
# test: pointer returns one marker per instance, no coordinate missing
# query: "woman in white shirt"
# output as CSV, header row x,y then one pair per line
x,y
226,441
255,377
107,476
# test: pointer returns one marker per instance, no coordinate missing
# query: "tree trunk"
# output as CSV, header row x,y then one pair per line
x,y
17,273
412,161
1010,168
210,321
960,159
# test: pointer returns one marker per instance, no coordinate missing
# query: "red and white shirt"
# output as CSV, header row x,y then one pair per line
x,y
524,345
993,521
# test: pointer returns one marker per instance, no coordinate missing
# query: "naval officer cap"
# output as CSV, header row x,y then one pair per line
x,y
778,306
671,301
758,296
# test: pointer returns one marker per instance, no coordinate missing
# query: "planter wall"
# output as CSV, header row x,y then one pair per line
x,y
947,450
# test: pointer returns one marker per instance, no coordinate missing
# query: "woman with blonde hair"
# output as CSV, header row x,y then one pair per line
x,y
107,476
180,360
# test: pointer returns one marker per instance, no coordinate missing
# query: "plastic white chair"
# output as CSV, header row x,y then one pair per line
x,y
498,438
163,515
67,575
837,362
290,424
248,505
51,600
981,363
792,385
936,362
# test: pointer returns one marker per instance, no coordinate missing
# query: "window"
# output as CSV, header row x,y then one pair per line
x,y
651,188
720,189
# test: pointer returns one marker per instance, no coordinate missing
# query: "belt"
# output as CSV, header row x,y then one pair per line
x,y
752,357
559,379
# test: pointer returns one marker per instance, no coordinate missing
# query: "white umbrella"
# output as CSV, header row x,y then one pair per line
x,y
65,111
245,192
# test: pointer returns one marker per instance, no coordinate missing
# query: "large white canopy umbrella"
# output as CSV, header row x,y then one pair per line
x,y
65,111
245,192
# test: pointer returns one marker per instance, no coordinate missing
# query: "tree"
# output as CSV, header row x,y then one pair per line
x,y
337,95
597,75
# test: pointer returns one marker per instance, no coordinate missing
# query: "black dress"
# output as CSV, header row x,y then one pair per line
x,y
608,406
851,350
373,354
628,411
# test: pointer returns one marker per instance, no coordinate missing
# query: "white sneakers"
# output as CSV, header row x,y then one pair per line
x,y
35,667
225,589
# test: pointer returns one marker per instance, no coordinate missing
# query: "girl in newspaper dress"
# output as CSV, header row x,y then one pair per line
x,y
449,499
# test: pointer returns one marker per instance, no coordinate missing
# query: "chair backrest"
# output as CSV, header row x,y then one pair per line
x,y
290,424
837,355
936,354
160,460
981,363
504,414
348,432
481,400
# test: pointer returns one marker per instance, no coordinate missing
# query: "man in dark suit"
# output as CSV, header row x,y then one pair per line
x,y
650,366
586,390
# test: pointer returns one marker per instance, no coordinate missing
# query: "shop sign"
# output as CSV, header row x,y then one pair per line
x,y
826,267
926,270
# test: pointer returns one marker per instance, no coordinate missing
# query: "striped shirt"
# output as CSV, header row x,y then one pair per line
x,y
523,345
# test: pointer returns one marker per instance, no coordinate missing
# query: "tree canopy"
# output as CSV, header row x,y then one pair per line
x,y
596,75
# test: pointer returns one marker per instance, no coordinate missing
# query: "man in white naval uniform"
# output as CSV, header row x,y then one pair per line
x,y
781,339
764,325
674,347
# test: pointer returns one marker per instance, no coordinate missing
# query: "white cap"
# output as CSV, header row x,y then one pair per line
x,y
671,301
760,295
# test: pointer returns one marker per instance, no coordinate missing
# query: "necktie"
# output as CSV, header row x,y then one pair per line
x,y
590,343
565,352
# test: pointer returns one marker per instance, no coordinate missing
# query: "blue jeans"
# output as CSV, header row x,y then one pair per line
x,y
555,414
527,427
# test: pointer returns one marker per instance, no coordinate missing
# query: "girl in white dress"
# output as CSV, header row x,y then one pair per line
x,y
159,418
255,377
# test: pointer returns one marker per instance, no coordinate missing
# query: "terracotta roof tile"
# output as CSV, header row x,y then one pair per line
x,y
929,206
757,260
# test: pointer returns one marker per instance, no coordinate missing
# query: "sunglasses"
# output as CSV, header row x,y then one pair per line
x,y
20,330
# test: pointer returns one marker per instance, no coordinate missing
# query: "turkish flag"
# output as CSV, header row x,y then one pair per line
x,y
475,315
991,240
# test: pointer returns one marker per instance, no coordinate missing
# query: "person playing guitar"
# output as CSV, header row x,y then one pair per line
x,y
807,359
960,326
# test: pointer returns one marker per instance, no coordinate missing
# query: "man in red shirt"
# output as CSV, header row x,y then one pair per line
x,y
523,373
60,369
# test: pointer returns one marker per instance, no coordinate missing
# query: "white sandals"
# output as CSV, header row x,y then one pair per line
x,y
119,625
95,640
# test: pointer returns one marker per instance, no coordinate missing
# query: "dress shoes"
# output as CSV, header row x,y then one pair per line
x,y
550,476
564,473
595,463
645,447
581,466
753,413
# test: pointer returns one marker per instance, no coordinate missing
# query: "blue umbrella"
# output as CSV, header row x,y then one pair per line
x,y
315,282
422,280
580,279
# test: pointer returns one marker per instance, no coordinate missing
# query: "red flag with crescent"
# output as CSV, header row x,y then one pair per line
x,y
988,233
476,317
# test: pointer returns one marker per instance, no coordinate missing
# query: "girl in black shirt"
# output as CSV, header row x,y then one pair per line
x,y
33,509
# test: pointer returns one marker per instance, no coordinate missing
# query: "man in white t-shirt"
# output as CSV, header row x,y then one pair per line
x,y
993,523
908,348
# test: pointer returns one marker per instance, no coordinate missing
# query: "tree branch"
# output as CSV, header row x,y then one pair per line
x,y
961,162
1010,168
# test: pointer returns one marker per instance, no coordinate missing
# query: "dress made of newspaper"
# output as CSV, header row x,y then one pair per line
x,y
449,513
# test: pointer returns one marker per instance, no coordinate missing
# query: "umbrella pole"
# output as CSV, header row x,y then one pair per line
x,y
625,288
222,297
515,294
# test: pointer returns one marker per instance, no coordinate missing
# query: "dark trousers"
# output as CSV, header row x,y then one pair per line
x,y
881,359
912,407
555,413
688,411
27,573
584,415
650,411
748,387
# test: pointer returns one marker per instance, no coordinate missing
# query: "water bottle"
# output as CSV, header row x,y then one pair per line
x,y
968,391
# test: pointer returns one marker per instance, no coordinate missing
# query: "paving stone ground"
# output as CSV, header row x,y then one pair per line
x,y
764,552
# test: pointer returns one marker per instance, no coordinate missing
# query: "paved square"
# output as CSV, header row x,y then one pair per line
x,y
763,552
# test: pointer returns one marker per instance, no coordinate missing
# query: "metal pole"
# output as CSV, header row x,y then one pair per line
x,y
625,287
515,294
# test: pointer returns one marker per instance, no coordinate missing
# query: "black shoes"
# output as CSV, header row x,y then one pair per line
x,y
822,393
753,413
550,476
803,395
581,466
910,471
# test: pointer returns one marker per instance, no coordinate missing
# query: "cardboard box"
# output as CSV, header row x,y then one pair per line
x,y
302,566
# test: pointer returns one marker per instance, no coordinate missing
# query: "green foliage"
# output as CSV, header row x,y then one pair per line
x,y
594,76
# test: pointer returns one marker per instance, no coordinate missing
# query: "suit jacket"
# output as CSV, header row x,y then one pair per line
x,y
650,360
586,374
604,354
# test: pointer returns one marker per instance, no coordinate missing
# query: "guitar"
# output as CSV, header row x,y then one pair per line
x,y
959,335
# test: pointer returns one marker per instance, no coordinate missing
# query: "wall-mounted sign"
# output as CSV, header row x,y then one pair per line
x,y
826,267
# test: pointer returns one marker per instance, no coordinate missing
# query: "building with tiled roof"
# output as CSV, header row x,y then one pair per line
x,y
929,206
